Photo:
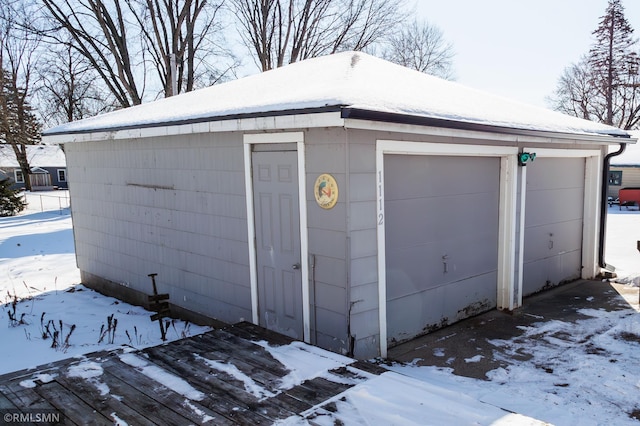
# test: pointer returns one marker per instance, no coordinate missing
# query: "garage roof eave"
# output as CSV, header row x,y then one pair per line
x,y
329,115
307,117
388,117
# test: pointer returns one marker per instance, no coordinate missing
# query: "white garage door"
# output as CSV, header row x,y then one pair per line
x,y
441,240
553,222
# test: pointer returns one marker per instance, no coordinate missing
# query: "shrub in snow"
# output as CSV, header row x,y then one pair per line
x,y
11,203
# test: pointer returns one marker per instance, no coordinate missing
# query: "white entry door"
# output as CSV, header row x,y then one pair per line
x,y
277,223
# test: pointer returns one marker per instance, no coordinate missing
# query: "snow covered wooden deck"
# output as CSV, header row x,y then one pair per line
x,y
239,375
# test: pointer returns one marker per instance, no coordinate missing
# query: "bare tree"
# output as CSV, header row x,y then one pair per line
x,y
278,32
179,36
574,94
18,125
604,85
66,88
99,33
126,42
422,47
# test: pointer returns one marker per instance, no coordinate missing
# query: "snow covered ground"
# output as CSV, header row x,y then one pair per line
x,y
38,271
39,274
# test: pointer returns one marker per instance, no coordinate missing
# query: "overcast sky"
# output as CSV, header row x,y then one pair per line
x,y
518,48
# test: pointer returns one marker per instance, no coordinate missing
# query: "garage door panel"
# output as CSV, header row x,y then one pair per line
x,y
436,219
536,276
441,236
403,278
470,296
411,316
565,266
558,173
551,271
551,240
436,176
414,211
557,205
423,312
553,222
427,266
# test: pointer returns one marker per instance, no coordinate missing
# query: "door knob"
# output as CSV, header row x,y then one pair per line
x,y
296,266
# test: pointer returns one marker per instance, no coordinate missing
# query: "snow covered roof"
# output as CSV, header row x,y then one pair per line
x,y
353,83
38,156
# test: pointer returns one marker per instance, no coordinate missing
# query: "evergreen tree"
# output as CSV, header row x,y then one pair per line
x,y
19,126
11,202
612,58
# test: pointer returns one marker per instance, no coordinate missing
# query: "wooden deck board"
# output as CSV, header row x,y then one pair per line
x,y
24,398
72,407
199,358
316,390
103,404
293,404
222,391
166,400
174,413
116,388
255,362
368,367
6,403
251,331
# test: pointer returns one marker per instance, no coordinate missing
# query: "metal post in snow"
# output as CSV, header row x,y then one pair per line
x,y
160,304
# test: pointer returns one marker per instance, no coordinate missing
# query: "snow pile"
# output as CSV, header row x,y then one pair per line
x,y
396,399
90,371
304,362
40,377
623,234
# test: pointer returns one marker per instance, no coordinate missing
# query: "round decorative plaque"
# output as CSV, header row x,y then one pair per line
x,y
326,191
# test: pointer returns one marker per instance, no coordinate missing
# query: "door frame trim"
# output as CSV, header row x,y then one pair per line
x,y
276,138
506,223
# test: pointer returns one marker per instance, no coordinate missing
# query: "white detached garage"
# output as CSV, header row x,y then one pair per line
x,y
344,201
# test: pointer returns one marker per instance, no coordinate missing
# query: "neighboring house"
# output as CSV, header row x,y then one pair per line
x,y
625,169
343,200
48,167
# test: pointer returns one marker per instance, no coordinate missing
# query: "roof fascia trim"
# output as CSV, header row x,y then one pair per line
x,y
246,124
415,124
330,116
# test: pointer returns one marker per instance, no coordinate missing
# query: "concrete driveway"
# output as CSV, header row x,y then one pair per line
x,y
466,346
